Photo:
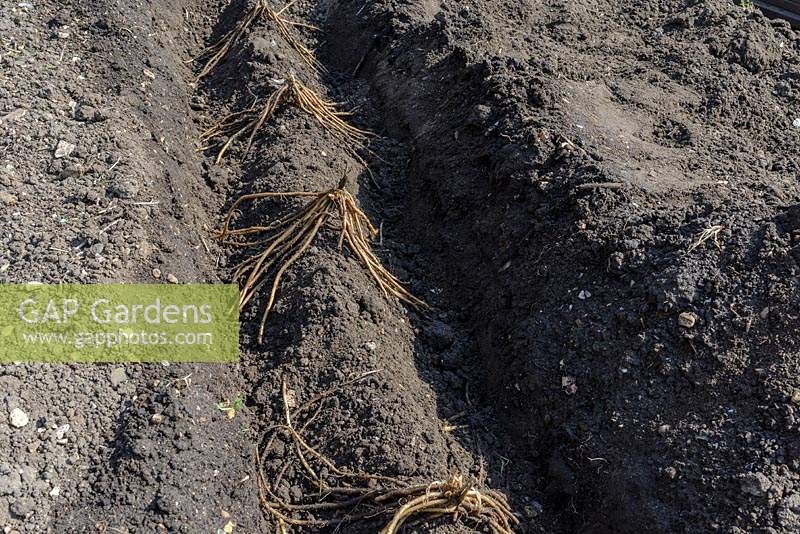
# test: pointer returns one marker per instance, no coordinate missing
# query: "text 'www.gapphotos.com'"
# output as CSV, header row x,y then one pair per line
x,y
81,340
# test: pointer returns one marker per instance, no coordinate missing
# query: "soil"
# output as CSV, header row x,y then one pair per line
x,y
599,202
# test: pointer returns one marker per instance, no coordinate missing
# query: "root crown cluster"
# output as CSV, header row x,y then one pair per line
x,y
250,120
289,236
217,52
363,496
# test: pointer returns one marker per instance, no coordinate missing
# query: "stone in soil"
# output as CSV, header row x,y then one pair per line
x,y
64,149
118,376
18,418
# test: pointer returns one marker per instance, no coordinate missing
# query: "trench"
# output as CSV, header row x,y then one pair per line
x,y
437,356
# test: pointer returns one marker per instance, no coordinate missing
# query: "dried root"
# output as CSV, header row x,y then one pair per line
x,y
454,498
362,496
236,125
220,49
288,237
284,25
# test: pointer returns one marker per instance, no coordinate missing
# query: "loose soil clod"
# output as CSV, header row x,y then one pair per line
x,y
250,120
291,235
363,496
220,49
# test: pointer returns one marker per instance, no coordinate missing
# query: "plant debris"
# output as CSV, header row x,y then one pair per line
x,y
290,236
709,233
231,408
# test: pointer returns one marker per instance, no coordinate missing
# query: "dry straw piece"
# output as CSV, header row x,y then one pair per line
x,y
250,120
220,49
289,236
363,496
709,233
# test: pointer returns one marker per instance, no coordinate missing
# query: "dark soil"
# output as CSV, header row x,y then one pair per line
x,y
572,292
544,173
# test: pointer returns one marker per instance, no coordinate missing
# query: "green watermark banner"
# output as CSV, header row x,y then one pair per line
x,y
119,323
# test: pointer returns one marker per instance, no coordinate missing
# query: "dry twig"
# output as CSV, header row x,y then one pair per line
x,y
289,236
600,185
250,120
220,49
363,496
709,233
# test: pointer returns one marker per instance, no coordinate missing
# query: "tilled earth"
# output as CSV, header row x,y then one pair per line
x,y
599,201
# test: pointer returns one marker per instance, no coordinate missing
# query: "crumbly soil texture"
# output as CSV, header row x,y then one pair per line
x,y
598,200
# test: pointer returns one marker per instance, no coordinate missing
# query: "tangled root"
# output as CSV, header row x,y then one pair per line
x,y
290,236
220,49
363,496
455,498
250,120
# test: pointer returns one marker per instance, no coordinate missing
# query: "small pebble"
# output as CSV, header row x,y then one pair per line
x,y
584,294
568,385
156,273
18,418
118,376
62,431
687,319
796,123
64,149
172,279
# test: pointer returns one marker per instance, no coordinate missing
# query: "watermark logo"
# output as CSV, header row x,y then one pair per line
x,y
119,323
